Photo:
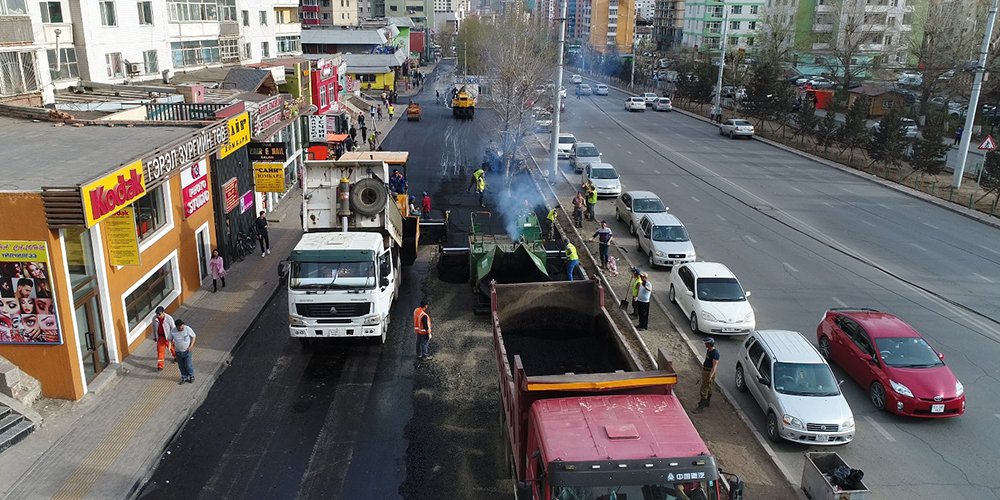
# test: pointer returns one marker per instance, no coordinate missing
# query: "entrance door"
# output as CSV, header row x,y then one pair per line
x,y
93,346
202,241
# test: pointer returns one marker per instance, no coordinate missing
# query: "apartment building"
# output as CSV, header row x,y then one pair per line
x,y
668,23
646,9
449,14
24,78
330,12
612,25
880,29
705,21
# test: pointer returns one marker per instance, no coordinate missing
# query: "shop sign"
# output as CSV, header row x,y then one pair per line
x,y
107,195
271,105
263,124
317,128
27,297
231,194
239,134
194,186
269,114
269,177
122,239
205,142
267,151
246,202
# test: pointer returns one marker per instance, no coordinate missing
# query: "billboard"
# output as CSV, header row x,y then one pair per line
x,y
27,298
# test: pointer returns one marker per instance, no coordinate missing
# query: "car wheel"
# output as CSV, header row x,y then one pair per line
x,y
631,227
877,394
824,347
732,135
720,131
694,323
651,264
618,214
773,430
741,383
672,295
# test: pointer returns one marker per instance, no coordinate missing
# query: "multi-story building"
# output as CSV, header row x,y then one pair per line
x,y
330,12
704,20
449,14
668,23
23,55
646,9
612,25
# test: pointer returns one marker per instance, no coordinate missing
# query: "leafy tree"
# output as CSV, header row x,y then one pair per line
x,y
990,180
768,95
827,130
805,120
887,143
470,46
854,134
945,41
928,156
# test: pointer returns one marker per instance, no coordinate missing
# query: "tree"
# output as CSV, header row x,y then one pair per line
x,y
470,46
929,151
887,144
944,43
990,180
769,97
827,130
853,134
805,120
851,29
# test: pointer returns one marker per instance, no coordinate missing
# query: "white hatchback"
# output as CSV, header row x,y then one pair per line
x,y
604,177
712,299
663,104
565,145
735,127
600,89
664,240
635,104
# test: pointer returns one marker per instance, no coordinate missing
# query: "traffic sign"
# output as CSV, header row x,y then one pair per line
x,y
989,144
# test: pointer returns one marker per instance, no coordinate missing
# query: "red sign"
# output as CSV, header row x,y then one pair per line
x,y
194,182
988,144
231,194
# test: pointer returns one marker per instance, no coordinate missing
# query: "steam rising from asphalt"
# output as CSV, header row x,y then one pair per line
x,y
511,204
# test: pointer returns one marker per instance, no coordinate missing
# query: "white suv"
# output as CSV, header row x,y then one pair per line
x,y
665,240
795,387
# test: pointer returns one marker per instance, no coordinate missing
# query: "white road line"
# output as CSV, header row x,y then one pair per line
x,y
984,247
797,190
918,247
750,238
849,191
720,217
789,267
642,161
825,203
629,151
883,205
932,226
674,184
619,145
657,172
997,415
839,302
696,200
881,430
984,278
866,222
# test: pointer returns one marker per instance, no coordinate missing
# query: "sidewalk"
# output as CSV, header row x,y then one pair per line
x,y
107,444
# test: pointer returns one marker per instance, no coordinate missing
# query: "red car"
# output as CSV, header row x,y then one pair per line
x,y
881,352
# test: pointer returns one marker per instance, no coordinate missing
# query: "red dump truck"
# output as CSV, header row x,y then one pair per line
x,y
582,420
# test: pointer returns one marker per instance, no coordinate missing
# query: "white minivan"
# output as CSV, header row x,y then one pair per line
x,y
795,387
665,240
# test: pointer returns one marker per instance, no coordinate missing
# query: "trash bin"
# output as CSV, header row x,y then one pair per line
x,y
816,481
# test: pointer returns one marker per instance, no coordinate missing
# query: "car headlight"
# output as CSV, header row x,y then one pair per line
x,y
659,253
707,316
749,317
959,388
901,389
692,255
848,424
372,319
296,320
793,422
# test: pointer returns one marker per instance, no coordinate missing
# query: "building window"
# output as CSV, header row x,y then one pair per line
x,y
263,18
228,10
733,41
246,17
734,25
750,41
79,255
108,15
246,51
322,96
13,8
195,53
145,13
150,213
114,63
754,9
752,25
68,68
151,61
265,49
193,10
17,73
736,9
229,50
289,44
153,291
51,12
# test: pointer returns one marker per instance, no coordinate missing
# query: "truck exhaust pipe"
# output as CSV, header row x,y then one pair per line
x,y
344,202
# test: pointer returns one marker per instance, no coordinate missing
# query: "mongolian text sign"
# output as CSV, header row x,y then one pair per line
x,y
194,187
122,240
246,202
117,190
239,134
206,141
231,194
269,177
27,296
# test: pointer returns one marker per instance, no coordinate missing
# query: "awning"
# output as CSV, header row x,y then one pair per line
x,y
336,137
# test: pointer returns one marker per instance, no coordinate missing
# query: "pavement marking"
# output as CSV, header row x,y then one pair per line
x,y
932,226
657,172
696,200
797,190
720,217
918,247
629,151
883,205
825,203
619,145
997,415
675,185
984,247
839,302
789,267
881,430
984,278
750,238
848,191
869,223
642,161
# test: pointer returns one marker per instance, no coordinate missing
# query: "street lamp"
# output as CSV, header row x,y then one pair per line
x,y
554,150
635,24
977,87
717,101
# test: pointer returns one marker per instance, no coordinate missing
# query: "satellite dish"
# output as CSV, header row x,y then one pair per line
x,y
312,109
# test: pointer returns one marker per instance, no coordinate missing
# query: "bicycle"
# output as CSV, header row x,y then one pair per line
x,y
243,245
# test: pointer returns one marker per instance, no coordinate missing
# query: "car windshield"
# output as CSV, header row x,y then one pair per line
x,y
331,275
720,290
907,352
647,206
664,100
587,151
741,123
805,379
601,86
693,490
603,173
566,140
670,233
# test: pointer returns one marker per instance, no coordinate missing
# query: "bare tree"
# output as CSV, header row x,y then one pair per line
x,y
470,45
946,42
853,28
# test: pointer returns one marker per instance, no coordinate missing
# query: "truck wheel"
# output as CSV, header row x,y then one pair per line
x,y
368,197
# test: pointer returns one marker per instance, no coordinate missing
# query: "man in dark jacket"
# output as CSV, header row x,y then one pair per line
x,y
265,242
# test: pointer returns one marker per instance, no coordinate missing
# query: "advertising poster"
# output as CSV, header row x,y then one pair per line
x,y
123,243
27,300
269,177
194,185
239,134
246,202
231,194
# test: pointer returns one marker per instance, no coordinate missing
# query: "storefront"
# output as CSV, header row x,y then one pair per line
x,y
275,150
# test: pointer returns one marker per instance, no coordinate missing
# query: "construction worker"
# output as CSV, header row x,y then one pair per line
x,y
551,217
422,327
709,367
479,177
425,204
392,109
591,200
572,259
636,284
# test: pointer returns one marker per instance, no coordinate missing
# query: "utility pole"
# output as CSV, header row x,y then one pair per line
x,y
635,24
977,87
554,152
717,101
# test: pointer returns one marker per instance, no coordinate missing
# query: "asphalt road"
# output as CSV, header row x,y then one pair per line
x,y
805,237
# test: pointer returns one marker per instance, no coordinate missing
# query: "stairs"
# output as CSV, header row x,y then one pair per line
x,y
13,427
17,384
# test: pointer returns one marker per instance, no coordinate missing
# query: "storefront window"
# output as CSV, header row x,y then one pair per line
x,y
150,213
79,255
141,302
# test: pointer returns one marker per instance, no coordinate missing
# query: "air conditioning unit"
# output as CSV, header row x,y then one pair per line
x,y
133,69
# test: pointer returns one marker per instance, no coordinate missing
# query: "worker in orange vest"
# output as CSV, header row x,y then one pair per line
x,y
422,327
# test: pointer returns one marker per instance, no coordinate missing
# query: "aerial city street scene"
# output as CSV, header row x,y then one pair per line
x,y
494,249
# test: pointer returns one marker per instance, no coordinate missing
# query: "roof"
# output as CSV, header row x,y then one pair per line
x,y
72,155
663,219
872,90
401,22
880,324
365,243
642,195
710,270
394,158
360,63
645,426
326,36
246,79
787,346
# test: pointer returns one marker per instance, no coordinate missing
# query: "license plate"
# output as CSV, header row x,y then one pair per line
x,y
730,330
822,438
937,408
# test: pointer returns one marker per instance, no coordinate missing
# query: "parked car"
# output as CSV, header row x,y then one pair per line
x,y
583,154
909,127
709,294
584,89
635,104
649,98
662,104
664,240
564,148
600,89
562,91
816,82
631,206
576,79
605,178
795,387
736,127
889,359
543,121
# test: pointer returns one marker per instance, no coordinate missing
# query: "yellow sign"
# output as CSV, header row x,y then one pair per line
x,y
23,251
122,239
269,177
113,192
239,134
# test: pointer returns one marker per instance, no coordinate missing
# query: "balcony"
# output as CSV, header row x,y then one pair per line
x,y
285,3
16,30
229,29
65,33
284,29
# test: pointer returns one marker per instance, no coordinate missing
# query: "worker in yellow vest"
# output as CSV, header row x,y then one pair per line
x,y
591,200
551,217
572,260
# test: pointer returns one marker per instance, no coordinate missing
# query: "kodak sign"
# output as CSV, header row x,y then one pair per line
x,y
105,196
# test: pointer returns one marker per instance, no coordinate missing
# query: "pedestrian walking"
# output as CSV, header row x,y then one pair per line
x,y
636,284
425,205
364,133
958,135
642,301
265,242
605,235
353,132
379,110
182,339
385,97
572,260
162,325
709,367
361,121
422,327
392,110
371,141
372,111
218,269
551,217
591,200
